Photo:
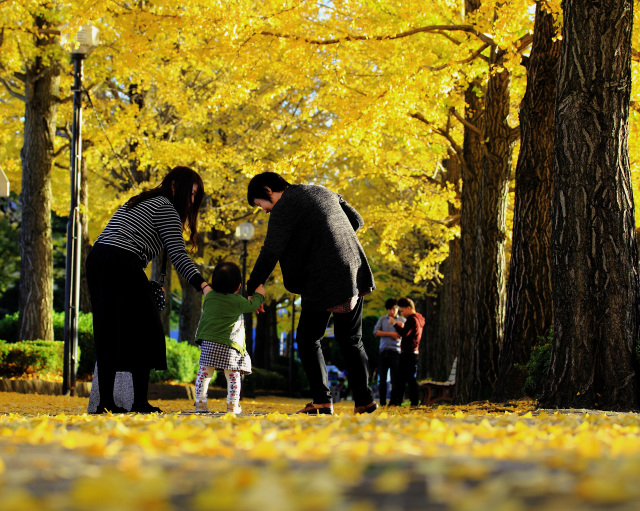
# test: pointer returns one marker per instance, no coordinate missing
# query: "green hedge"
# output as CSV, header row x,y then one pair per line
x,y
263,380
300,383
182,363
87,359
31,357
182,358
537,367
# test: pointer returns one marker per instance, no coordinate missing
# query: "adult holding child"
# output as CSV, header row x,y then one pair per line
x,y
312,233
127,329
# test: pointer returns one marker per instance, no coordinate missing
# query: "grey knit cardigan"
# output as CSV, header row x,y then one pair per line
x,y
312,232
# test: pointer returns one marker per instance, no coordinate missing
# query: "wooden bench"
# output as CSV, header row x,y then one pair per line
x,y
435,391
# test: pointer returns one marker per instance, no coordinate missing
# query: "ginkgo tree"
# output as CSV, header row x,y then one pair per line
x,y
372,99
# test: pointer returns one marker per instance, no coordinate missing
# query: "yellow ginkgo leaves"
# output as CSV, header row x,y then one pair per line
x,y
53,457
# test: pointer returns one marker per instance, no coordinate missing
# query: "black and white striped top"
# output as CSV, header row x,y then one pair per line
x,y
145,229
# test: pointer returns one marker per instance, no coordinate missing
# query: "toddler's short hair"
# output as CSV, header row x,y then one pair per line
x,y
226,277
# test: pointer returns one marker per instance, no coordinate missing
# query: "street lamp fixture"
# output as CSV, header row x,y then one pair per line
x,y
86,41
245,231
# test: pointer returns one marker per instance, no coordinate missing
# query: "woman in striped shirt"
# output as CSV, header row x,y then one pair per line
x,y
127,330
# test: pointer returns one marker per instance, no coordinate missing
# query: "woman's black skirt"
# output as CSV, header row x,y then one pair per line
x,y
127,330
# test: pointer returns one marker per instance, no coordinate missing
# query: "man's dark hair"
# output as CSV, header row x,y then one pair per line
x,y
226,277
258,184
406,302
390,303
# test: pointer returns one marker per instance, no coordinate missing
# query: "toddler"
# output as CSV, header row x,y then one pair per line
x,y
221,334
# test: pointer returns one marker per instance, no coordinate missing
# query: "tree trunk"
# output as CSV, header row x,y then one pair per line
x,y
266,334
594,257
471,170
189,312
529,310
42,88
491,234
445,347
85,301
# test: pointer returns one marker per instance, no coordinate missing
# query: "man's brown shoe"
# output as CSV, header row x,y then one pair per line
x,y
371,407
314,409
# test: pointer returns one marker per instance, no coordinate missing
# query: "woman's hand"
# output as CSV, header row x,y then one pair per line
x,y
205,288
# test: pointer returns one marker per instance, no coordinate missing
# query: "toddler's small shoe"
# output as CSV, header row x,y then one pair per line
x,y
233,408
370,408
201,406
315,409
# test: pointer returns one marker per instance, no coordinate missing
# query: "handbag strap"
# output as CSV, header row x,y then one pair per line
x,y
163,271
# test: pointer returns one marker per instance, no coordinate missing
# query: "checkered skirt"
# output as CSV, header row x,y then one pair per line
x,y
221,356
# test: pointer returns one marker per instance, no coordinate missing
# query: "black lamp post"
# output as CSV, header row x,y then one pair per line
x,y
87,41
245,232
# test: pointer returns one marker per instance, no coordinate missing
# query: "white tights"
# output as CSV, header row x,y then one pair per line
x,y
204,377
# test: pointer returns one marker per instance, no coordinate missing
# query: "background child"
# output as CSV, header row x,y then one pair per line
x,y
221,334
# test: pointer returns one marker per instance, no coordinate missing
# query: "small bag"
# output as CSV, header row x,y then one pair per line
x,y
157,291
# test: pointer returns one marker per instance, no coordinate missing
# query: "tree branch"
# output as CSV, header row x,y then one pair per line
x,y
433,28
514,134
474,55
465,122
61,150
11,91
524,42
456,148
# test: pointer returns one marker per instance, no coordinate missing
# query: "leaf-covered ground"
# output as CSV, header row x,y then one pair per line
x,y
482,457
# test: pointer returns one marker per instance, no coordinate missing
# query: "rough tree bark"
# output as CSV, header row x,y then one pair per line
x,y
491,231
471,170
529,310
594,256
42,89
85,299
446,341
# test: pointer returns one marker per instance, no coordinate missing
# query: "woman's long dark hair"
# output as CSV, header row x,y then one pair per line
x,y
177,186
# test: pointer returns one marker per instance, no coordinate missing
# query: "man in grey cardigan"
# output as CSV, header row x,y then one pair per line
x,y
311,232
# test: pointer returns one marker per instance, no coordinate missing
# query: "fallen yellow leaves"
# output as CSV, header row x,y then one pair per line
x,y
54,457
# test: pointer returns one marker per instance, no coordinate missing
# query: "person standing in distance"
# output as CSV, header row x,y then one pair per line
x,y
312,233
411,332
389,349
127,330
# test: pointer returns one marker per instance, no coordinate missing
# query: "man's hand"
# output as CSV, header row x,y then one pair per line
x,y
394,335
